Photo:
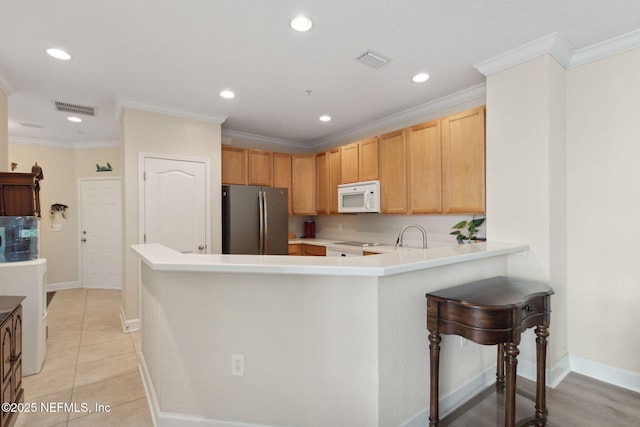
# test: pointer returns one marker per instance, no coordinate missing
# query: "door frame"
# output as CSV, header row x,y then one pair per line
x,y
122,242
142,157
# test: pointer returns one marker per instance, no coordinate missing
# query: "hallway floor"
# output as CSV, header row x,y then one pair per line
x,y
91,363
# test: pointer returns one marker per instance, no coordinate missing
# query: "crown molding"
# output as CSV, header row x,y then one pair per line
x,y
85,145
613,46
251,137
403,118
123,102
5,87
561,50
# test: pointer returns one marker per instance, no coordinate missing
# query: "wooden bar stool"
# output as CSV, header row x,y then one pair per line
x,y
493,311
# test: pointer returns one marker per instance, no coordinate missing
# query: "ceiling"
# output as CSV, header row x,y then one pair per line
x,y
183,53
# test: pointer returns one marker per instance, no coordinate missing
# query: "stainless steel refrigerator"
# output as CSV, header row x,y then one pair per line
x,y
254,220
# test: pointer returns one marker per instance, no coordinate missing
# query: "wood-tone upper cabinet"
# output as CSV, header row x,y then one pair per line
x,y
368,159
322,183
349,157
393,172
424,170
282,175
335,178
259,166
303,180
463,162
234,165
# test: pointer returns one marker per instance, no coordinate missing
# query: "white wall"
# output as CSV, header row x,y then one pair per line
x,y
149,132
4,132
525,180
603,145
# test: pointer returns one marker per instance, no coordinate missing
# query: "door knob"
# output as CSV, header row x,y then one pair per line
x,y
83,240
201,247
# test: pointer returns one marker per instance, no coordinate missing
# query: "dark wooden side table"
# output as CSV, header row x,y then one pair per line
x,y
493,311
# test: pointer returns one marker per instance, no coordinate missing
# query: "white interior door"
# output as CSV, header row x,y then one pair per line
x,y
175,204
101,233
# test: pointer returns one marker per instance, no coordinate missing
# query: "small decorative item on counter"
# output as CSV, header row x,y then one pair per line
x,y
310,229
107,168
466,230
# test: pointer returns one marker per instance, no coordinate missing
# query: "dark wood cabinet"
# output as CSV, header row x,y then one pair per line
x,y
19,195
11,353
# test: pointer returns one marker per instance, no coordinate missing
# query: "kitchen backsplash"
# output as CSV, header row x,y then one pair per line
x,y
382,228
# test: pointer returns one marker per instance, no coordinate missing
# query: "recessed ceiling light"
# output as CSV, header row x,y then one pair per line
x,y
301,23
420,77
325,118
74,119
59,54
227,94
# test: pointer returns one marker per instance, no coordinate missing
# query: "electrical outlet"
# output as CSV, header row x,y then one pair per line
x,y
463,342
237,365
57,227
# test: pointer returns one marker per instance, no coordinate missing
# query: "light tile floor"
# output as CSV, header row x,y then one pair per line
x,y
89,362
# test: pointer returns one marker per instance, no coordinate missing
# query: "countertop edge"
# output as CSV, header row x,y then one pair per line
x,y
162,258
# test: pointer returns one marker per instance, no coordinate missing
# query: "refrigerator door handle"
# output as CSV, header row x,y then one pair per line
x,y
261,219
266,224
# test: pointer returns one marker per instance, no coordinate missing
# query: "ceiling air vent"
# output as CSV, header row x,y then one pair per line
x,y
372,59
75,108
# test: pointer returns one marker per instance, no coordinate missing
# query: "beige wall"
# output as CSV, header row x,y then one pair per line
x,y
146,132
603,146
4,132
62,167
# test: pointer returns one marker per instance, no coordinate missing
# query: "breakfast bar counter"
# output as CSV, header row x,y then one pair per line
x,y
249,340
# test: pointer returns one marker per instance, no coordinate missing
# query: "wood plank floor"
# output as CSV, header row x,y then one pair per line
x,y
578,401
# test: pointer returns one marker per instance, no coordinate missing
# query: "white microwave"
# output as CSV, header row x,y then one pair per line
x,y
359,197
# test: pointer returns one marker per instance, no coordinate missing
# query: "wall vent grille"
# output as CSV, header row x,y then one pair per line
x,y
75,108
372,59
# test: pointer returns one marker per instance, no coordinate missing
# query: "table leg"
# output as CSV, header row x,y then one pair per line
x,y
500,368
511,360
434,357
541,362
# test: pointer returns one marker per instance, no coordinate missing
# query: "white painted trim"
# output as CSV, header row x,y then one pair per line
x,y
609,374
129,325
173,419
123,102
561,50
554,375
88,145
457,397
5,86
606,48
61,286
412,115
251,137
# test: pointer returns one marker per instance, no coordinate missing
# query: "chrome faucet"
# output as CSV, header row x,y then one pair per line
x,y
400,240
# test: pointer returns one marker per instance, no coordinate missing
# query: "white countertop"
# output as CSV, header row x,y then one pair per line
x,y
392,262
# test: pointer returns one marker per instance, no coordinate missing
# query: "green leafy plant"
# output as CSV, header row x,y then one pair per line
x,y
466,230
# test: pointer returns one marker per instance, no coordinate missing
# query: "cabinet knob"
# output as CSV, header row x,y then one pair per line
x,y
529,308
201,247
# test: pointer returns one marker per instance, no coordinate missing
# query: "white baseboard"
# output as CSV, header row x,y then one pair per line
x,y
554,376
61,286
456,398
172,419
609,374
129,325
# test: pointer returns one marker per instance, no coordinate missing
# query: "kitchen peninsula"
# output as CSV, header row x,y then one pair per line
x,y
315,341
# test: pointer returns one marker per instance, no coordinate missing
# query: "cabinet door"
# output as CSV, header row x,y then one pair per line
x,y
393,172
322,183
349,157
303,176
463,162
424,168
313,250
259,166
17,352
5,353
282,175
234,165
368,159
335,178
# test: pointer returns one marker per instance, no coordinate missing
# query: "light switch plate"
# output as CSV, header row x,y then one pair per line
x,y
57,227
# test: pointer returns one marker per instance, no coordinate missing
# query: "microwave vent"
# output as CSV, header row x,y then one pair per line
x,y
372,59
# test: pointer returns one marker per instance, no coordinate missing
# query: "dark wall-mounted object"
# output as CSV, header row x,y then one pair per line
x,y
59,207
19,195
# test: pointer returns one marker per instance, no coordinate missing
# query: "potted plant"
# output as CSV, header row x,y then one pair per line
x,y
466,230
